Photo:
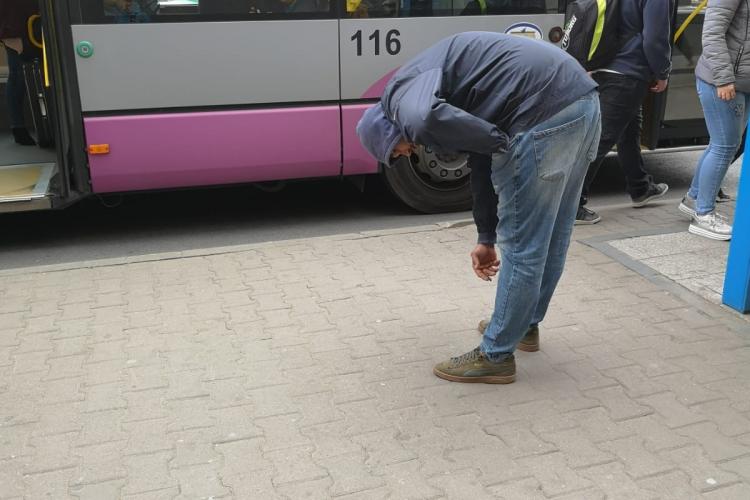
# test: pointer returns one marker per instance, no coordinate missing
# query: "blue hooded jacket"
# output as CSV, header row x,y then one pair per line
x,y
647,54
473,92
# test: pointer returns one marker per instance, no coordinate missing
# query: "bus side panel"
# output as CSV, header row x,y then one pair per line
x,y
198,149
372,48
199,64
356,158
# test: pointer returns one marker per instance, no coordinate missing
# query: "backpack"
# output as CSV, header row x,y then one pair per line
x,y
591,33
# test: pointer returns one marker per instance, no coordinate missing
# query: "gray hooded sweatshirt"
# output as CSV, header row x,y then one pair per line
x,y
473,92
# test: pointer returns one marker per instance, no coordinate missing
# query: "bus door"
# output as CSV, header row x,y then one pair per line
x,y
34,174
377,36
675,117
179,93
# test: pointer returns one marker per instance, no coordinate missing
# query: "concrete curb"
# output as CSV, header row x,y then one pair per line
x,y
206,252
601,244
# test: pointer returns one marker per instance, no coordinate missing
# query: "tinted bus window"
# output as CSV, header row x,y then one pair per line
x,y
159,11
439,8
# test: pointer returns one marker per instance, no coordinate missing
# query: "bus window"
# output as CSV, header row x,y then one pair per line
x,y
159,11
440,8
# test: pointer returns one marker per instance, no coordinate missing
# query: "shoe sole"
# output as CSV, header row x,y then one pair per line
x,y
528,347
520,346
489,379
708,234
686,210
648,200
586,222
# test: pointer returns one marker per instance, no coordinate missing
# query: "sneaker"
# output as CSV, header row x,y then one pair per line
x,y
653,192
722,197
711,225
529,342
474,367
687,206
585,216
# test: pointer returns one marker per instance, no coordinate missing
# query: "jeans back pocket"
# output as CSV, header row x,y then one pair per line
x,y
556,149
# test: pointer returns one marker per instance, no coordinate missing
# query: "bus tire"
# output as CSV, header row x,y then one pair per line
x,y
423,193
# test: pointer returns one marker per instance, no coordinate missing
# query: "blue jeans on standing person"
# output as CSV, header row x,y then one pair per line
x,y
725,121
538,183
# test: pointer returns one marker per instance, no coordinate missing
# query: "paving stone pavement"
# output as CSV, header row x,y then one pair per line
x,y
302,369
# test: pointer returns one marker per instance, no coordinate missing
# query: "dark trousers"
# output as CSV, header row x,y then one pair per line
x,y
620,97
15,88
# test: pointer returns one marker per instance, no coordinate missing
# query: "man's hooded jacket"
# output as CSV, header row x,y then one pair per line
x,y
473,92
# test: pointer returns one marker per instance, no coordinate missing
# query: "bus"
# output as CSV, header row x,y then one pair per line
x,y
144,95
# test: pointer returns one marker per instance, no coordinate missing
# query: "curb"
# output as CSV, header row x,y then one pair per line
x,y
207,252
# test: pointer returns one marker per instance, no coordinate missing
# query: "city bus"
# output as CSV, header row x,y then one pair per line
x,y
145,95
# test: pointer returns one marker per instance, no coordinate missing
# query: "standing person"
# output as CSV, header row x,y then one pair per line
x,y
641,65
532,108
723,83
14,15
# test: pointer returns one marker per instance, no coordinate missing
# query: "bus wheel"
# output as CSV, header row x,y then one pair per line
x,y
430,182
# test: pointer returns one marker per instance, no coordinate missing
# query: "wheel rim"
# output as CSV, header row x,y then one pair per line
x,y
445,172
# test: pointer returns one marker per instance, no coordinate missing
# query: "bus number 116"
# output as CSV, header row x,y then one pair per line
x,y
392,43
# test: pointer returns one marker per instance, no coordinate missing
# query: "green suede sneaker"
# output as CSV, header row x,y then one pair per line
x,y
473,367
529,342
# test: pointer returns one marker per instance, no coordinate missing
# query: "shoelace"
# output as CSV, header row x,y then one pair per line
x,y
467,357
714,219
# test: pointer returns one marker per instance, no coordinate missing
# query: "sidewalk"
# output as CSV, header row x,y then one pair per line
x,y
302,369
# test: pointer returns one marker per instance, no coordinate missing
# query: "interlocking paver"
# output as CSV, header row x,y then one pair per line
x,y
350,474
303,369
615,483
670,486
703,473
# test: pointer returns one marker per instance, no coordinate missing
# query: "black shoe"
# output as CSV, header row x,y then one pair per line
x,y
653,192
22,137
586,216
721,196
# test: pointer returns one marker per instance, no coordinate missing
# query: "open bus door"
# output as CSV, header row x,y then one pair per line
x,y
674,118
41,176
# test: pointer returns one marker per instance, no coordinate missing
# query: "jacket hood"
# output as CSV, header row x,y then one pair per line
x,y
378,134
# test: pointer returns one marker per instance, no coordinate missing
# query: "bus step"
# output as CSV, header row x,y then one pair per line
x,y
26,187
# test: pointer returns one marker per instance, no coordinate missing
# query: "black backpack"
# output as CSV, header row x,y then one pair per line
x,y
592,32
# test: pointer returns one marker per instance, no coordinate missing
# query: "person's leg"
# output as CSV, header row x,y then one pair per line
x,y
531,190
564,222
15,90
612,122
640,185
617,93
724,120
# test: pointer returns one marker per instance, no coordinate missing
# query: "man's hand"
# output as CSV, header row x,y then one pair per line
x,y
658,86
484,261
726,92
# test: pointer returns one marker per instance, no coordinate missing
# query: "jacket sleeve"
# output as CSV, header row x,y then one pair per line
x,y
719,16
656,46
484,207
429,120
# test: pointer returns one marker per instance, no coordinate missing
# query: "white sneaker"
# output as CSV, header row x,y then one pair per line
x,y
711,225
687,206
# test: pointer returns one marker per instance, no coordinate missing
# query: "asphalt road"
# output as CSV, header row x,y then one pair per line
x,y
193,219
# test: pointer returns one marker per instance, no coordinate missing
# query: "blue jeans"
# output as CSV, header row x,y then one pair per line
x,y
538,183
725,121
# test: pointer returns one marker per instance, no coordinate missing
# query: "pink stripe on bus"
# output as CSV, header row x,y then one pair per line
x,y
224,147
356,159
377,88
